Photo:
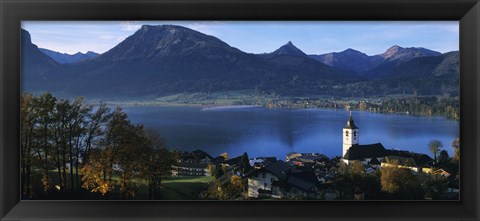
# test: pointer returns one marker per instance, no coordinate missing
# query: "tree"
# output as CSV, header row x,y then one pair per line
x,y
443,158
130,145
45,105
120,151
351,177
219,171
456,149
28,118
158,162
244,164
224,155
237,186
434,184
68,131
116,134
78,132
60,139
228,190
56,134
400,183
93,173
211,169
95,121
435,146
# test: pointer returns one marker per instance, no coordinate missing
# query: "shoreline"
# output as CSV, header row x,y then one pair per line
x,y
204,106
226,107
209,107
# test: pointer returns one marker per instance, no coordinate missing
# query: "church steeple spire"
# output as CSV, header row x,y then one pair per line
x,y
350,123
350,135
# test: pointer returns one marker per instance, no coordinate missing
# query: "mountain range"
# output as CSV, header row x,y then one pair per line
x,y
163,60
64,58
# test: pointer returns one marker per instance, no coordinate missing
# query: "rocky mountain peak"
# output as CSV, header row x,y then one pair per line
x,y
392,51
164,40
289,49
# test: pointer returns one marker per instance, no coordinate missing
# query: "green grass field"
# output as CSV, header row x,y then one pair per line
x,y
184,188
175,188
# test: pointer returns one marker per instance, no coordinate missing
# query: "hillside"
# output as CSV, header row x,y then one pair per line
x,y
159,61
64,58
162,60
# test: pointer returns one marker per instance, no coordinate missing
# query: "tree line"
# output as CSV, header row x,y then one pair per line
x,y
441,105
73,147
426,106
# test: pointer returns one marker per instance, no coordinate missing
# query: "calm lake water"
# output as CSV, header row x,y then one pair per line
x,y
275,132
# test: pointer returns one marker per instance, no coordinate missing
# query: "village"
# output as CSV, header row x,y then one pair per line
x,y
364,172
107,169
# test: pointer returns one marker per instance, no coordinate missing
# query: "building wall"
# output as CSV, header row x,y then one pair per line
x,y
349,140
187,171
365,161
258,182
415,169
298,193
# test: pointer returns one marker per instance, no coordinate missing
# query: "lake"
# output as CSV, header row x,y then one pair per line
x,y
276,132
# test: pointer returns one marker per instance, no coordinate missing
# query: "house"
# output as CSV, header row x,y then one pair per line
x,y
190,169
196,156
233,161
325,175
374,163
292,155
280,180
370,169
400,162
439,171
260,162
302,184
443,172
310,159
453,186
265,182
421,160
236,161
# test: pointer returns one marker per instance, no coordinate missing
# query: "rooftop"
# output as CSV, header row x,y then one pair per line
x,y
360,152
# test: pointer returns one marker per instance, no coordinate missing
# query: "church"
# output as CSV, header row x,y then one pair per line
x,y
375,154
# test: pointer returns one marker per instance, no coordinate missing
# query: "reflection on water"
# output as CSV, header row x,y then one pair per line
x,y
275,132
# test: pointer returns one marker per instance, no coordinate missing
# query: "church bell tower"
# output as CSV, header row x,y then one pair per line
x,y
350,135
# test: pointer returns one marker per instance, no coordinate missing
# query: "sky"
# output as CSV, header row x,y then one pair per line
x,y
312,37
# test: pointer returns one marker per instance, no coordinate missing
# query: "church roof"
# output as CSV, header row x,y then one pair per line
x,y
350,123
359,152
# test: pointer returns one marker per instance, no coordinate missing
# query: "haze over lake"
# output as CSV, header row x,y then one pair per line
x,y
275,132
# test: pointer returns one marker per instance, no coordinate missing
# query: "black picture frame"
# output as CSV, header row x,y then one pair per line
x,y
12,12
